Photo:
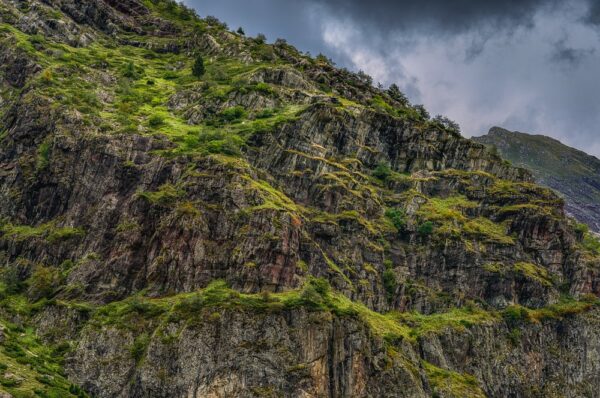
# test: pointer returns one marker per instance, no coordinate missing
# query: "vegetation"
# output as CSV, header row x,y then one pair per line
x,y
425,229
30,368
219,113
48,231
167,194
198,69
533,272
452,384
397,217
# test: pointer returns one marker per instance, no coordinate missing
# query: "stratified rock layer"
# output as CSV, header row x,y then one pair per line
x,y
275,227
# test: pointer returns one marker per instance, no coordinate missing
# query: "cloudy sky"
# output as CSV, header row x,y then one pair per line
x,y
526,65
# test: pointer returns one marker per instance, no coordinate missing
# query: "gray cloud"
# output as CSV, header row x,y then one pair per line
x,y
528,65
567,55
593,16
438,16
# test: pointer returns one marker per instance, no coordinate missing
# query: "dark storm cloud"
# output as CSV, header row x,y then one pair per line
x,y
593,16
438,16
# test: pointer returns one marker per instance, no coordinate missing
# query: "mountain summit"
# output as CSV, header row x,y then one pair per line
x,y
189,212
572,173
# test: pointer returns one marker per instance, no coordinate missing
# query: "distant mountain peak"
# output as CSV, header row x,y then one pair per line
x,y
572,173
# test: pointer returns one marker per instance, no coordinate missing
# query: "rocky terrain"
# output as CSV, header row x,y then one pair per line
x,y
272,227
574,174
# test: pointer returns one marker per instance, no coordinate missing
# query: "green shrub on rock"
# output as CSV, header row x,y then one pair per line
x,y
198,70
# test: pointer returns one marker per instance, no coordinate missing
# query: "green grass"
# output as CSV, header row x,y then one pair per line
x,y
533,272
450,216
166,195
451,384
43,155
48,231
272,198
38,366
316,295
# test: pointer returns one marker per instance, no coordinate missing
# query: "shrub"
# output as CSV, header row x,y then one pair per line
x,y
316,293
240,31
130,71
581,229
44,282
265,113
397,217
425,229
232,114
139,347
156,121
389,283
382,171
12,280
198,68
515,314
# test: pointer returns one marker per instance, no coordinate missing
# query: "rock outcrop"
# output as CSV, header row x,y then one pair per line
x,y
276,227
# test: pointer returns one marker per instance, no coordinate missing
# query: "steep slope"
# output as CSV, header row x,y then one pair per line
x,y
572,173
275,227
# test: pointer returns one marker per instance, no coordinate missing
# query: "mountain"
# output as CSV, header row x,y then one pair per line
x,y
189,212
574,174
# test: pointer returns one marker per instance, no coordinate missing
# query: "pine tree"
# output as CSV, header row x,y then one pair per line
x,y
198,69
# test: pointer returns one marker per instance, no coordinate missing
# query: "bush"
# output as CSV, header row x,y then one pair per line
x,y
425,229
232,114
515,314
156,121
382,171
397,217
44,282
198,68
265,113
139,347
389,283
12,280
131,72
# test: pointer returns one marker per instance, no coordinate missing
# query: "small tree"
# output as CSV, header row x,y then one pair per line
x,y
422,112
397,95
241,31
447,123
364,77
198,69
260,38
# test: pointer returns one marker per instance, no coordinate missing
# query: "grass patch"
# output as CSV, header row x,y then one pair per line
x,y
451,384
533,272
48,231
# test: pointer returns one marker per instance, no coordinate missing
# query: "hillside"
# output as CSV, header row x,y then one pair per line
x,y
189,212
574,174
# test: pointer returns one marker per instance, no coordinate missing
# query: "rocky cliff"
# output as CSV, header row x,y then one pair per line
x,y
572,173
274,226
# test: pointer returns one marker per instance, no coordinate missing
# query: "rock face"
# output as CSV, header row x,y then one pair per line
x,y
275,227
571,173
